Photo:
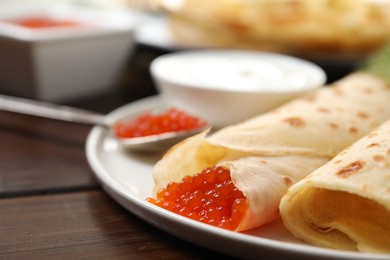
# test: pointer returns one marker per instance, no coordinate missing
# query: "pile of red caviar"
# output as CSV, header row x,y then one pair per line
x,y
209,197
171,120
43,22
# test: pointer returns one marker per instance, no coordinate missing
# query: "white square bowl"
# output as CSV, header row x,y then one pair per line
x,y
61,63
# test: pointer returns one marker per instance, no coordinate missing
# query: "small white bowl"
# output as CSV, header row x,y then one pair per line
x,y
226,87
61,63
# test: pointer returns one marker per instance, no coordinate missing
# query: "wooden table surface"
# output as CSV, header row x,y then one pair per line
x,y
51,206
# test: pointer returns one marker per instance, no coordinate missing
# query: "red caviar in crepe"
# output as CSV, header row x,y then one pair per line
x,y
267,154
209,197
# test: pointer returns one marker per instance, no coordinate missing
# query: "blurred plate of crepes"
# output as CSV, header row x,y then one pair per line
x,y
342,30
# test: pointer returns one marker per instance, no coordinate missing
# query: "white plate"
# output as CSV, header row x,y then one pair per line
x,y
127,178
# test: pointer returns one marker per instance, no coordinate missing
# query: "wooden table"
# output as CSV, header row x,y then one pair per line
x,y
51,206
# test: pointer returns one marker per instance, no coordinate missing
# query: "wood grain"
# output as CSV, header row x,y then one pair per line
x,y
39,155
83,225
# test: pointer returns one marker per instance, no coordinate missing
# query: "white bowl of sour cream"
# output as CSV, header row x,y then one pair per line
x,y
226,87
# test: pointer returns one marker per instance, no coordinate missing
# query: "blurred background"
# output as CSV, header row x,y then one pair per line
x,y
335,34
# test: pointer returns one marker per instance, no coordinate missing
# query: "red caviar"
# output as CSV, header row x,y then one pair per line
x,y
43,22
209,197
171,120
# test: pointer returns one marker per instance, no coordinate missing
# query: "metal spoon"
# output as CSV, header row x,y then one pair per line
x,y
158,142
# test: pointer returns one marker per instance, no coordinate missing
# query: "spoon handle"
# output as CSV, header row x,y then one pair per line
x,y
50,110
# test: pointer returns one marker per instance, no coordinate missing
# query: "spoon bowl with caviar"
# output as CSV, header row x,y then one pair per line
x,y
148,131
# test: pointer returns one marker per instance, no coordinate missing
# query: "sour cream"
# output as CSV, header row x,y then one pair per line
x,y
241,71
228,86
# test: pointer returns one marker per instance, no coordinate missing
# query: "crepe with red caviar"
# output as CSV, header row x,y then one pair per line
x,y
345,204
267,154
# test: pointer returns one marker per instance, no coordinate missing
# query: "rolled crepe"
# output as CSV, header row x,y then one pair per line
x,y
268,153
345,204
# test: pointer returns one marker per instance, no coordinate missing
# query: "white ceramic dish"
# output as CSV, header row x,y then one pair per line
x,y
127,178
214,83
154,32
62,63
